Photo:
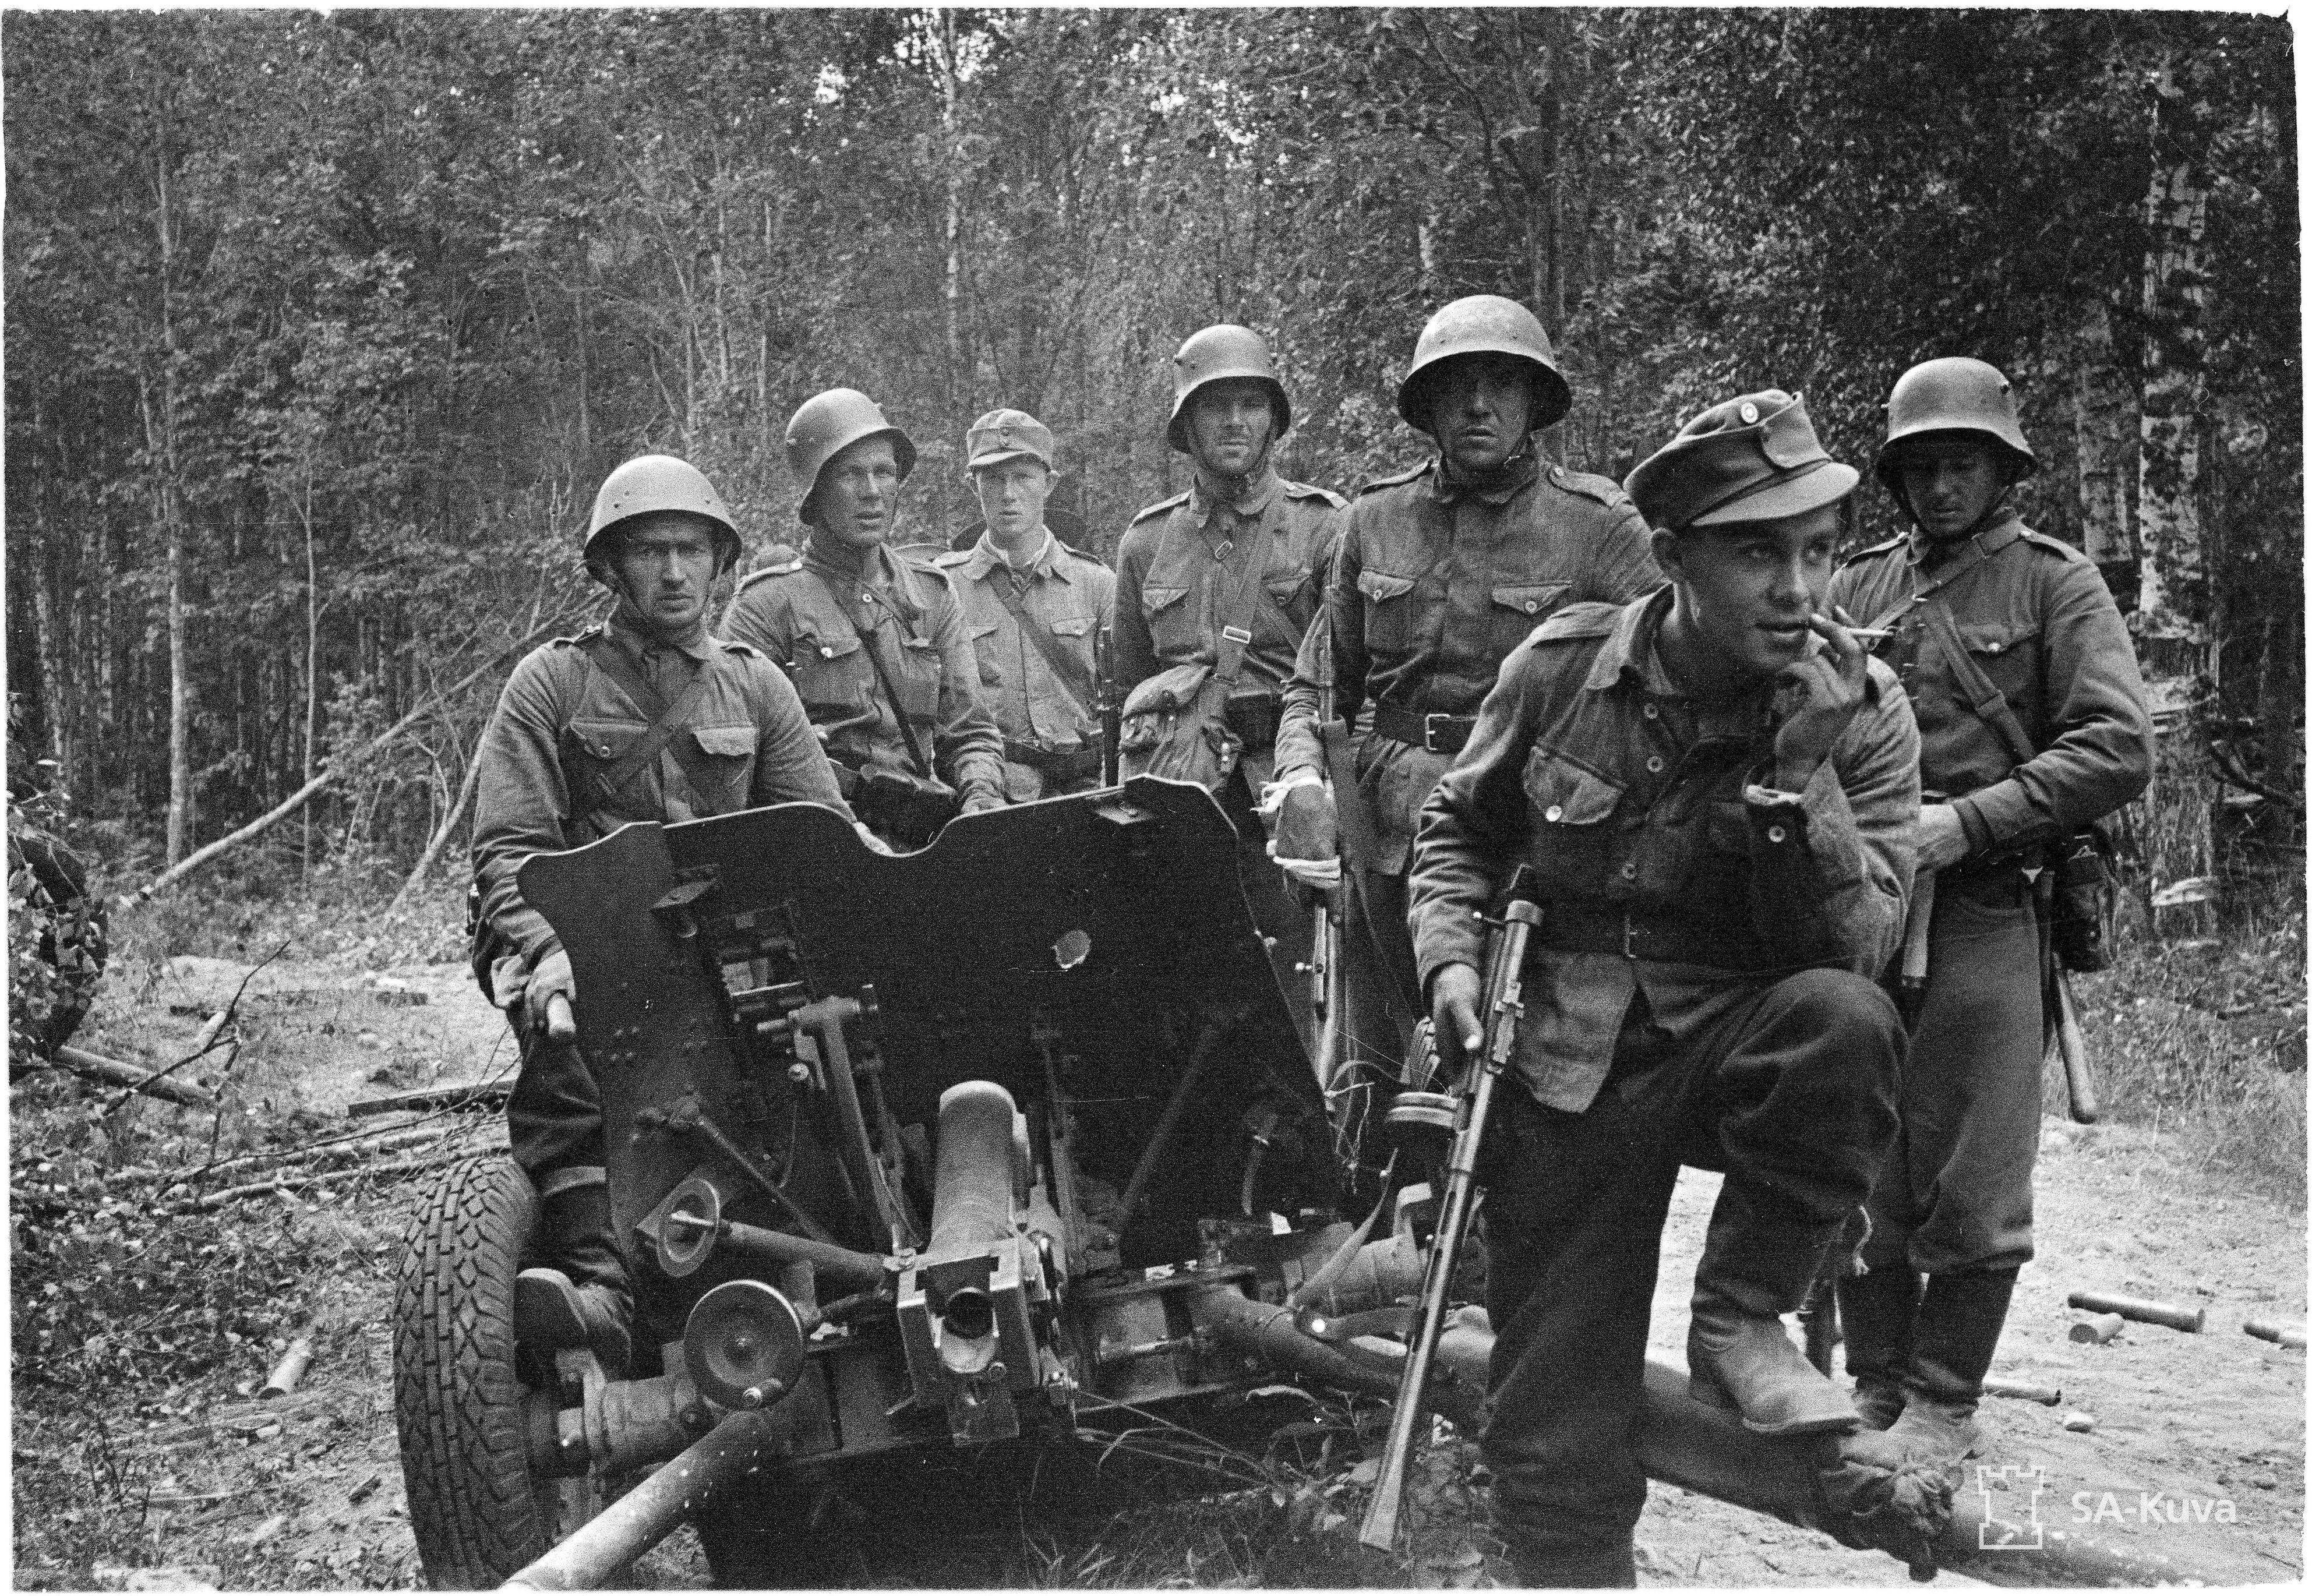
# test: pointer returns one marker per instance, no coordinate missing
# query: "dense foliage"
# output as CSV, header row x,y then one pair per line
x,y
321,328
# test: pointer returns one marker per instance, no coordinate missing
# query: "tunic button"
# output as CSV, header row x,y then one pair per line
x,y
1777,834
1630,871
1653,712
1654,764
1992,647
1749,415
1554,811
1532,605
826,653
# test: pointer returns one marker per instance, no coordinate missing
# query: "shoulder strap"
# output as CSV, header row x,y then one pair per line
x,y
916,755
1236,614
1981,691
1064,665
609,659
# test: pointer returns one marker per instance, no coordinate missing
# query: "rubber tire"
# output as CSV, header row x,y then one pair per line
x,y
478,1516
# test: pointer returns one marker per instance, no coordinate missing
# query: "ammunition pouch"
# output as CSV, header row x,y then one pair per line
x,y
2085,899
906,808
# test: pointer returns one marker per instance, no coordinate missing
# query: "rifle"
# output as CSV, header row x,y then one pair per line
x,y
1503,1009
1324,950
1110,706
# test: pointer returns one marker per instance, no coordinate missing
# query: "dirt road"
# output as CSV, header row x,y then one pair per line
x,y
2195,1449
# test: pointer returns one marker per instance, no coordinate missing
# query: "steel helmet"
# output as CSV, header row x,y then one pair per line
x,y
1215,355
649,484
829,423
1954,394
1484,324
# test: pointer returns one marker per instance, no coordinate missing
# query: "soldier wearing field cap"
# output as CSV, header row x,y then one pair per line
x,y
1214,589
1715,788
2032,726
875,644
644,718
1034,607
1441,572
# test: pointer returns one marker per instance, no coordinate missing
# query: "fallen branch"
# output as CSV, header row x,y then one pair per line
x,y
111,1072
441,836
365,1147
489,1095
207,1041
242,1194
296,801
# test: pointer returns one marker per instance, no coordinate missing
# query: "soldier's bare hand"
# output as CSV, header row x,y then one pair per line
x,y
1454,995
549,997
1942,838
1833,680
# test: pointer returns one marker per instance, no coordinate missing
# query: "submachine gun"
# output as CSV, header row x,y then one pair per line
x,y
1472,1103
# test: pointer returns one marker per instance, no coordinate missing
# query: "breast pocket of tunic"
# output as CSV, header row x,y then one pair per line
x,y
2008,655
1388,606
730,765
1172,622
917,679
1572,808
592,750
831,676
1517,610
1293,595
987,649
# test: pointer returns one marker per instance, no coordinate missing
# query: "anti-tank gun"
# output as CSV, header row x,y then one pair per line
x,y
915,1154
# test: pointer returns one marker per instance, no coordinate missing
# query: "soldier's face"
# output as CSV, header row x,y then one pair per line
x,y
1230,425
666,565
1011,497
1951,484
1745,591
857,500
1483,409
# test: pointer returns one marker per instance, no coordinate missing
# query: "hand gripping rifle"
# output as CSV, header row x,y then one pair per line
x,y
1110,706
1503,1009
1324,942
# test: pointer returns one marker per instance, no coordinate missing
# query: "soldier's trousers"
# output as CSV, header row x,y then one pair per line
x,y
1955,1197
1792,1096
553,1117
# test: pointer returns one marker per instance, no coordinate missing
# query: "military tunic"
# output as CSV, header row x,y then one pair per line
x,y
563,725
1700,990
2036,618
1432,584
818,622
1175,569
1049,718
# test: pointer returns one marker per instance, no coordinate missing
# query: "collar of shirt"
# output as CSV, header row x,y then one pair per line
x,y
2006,525
1202,502
638,642
878,584
986,558
1516,477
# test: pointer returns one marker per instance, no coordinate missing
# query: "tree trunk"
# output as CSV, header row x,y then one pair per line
x,y
943,52
2171,608
2101,432
313,664
180,696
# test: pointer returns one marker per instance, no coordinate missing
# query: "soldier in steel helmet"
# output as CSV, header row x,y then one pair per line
x,y
876,643
1035,608
647,717
1214,589
2032,725
1715,788
1441,572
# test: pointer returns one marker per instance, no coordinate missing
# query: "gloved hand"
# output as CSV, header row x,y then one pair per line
x,y
552,979
978,799
1307,845
1322,875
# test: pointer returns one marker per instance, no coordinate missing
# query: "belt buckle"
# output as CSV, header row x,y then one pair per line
x,y
1237,634
1429,732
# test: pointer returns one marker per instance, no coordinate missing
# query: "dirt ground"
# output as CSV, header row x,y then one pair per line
x,y
2189,1445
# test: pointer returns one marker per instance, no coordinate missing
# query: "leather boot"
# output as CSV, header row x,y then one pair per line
x,y
1877,1309
1952,1344
579,1297
1755,1268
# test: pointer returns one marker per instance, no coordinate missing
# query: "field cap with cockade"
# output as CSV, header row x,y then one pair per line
x,y
1754,458
1007,434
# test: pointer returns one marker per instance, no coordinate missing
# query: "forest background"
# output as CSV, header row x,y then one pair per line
x,y
321,331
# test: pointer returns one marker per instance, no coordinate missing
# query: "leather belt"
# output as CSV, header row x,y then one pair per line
x,y
1597,929
1437,733
1056,764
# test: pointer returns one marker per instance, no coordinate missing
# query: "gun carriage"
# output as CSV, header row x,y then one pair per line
x,y
924,1151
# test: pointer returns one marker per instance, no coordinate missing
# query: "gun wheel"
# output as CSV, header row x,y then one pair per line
x,y
478,1513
